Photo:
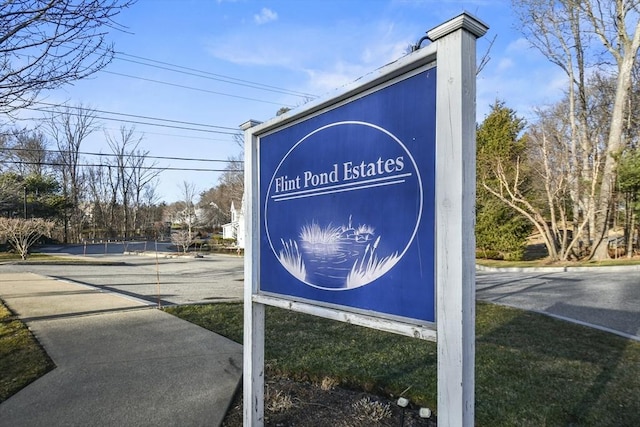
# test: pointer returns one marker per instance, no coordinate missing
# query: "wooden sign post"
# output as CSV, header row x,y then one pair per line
x,y
361,208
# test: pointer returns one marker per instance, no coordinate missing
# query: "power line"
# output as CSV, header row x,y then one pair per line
x,y
179,136
172,135
17,162
297,93
138,122
214,76
198,89
185,159
139,117
237,130
205,75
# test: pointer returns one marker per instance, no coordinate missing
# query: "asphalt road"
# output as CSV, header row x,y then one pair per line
x,y
178,280
599,297
602,298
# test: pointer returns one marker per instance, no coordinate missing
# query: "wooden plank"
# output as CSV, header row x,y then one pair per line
x,y
455,217
426,332
253,356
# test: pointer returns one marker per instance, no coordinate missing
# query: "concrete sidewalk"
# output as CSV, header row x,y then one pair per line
x,y
119,362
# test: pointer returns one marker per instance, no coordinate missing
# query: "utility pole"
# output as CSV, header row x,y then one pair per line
x,y
24,208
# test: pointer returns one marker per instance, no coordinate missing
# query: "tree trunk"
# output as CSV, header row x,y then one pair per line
x,y
629,237
615,146
624,50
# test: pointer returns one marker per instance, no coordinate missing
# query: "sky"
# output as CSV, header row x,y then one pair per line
x,y
206,66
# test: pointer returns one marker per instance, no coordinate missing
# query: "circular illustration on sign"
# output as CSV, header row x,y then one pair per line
x,y
343,206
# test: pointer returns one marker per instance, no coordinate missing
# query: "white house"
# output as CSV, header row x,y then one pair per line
x,y
235,229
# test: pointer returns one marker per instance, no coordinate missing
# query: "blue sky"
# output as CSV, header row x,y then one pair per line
x,y
294,47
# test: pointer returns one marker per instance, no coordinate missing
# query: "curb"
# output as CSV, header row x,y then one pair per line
x,y
61,262
565,269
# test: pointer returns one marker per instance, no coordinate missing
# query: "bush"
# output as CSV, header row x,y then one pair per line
x,y
216,240
500,233
489,254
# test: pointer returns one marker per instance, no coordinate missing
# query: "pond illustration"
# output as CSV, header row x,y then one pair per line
x,y
342,217
331,256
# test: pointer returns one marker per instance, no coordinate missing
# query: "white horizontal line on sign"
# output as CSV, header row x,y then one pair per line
x,y
361,185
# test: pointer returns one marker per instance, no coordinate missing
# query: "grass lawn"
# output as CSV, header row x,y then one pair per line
x,y
53,259
22,360
9,256
530,369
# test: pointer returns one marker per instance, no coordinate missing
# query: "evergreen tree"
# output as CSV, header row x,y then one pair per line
x,y
500,231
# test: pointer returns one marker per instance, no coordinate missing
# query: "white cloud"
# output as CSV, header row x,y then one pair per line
x,y
323,57
266,15
324,81
518,46
504,64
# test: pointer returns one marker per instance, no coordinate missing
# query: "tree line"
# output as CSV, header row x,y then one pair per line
x,y
43,174
570,175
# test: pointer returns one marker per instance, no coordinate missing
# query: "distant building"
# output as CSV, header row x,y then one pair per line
x,y
235,229
184,217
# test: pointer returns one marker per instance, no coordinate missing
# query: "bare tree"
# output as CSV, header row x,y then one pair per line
x,y
215,205
133,174
528,173
45,44
552,165
216,202
98,194
69,129
572,34
617,26
189,196
121,146
486,56
186,216
554,28
27,152
182,239
24,233
152,210
233,177
143,183
112,180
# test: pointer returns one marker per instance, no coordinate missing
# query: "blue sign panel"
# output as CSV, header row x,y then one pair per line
x,y
347,203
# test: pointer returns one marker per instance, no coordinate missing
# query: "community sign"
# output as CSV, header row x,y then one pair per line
x,y
347,202
361,209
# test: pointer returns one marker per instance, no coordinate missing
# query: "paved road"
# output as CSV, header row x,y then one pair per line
x,y
188,280
609,300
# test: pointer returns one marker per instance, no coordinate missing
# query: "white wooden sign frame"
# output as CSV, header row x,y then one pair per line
x,y
454,52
